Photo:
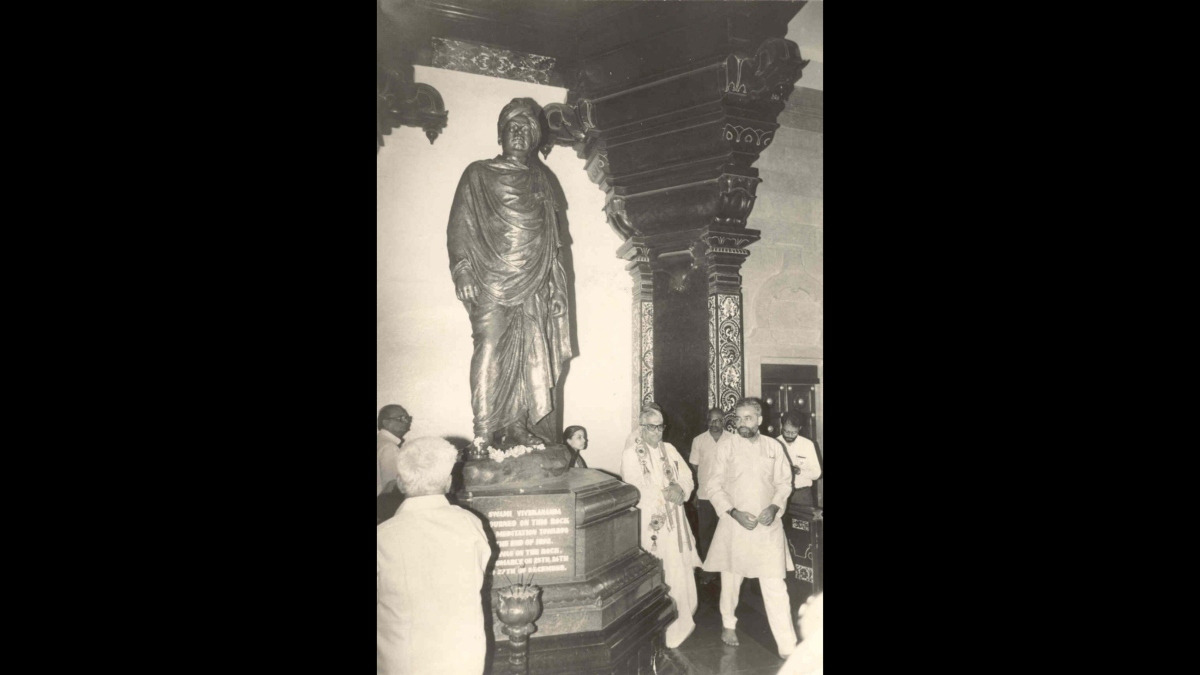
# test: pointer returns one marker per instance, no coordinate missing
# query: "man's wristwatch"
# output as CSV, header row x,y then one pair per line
x,y
730,512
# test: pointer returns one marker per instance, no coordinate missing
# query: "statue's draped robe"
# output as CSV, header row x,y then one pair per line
x,y
504,224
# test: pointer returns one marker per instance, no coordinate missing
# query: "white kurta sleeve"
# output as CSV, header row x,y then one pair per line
x,y
715,486
694,455
781,477
811,467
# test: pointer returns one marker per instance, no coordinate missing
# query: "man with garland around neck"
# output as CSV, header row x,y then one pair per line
x,y
749,486
662,477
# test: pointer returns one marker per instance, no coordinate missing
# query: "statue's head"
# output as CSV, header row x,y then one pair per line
x,y
519,129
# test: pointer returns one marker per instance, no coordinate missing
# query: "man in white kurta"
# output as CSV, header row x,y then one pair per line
x,y
805,466
430,560
662,477
748,486
703,456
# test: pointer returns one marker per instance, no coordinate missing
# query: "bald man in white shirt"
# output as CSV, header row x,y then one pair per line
x,y
393,423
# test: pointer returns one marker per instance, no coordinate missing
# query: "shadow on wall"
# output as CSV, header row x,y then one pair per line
x,y
568,262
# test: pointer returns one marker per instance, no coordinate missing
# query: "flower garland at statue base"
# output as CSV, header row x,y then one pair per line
x,y
496,454
667,514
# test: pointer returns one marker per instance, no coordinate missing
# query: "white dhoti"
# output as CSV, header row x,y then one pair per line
x,y
750,476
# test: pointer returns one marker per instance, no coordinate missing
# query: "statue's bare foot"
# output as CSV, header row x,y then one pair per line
x,y
729,637
518,433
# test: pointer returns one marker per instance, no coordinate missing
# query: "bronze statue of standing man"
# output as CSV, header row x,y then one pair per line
x,y
503,240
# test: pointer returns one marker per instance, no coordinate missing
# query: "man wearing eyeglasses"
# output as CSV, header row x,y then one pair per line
x,y
394,421
748,486
805,465
664,482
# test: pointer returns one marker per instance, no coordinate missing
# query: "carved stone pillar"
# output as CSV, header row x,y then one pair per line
x,y
726,362
688,306
636,253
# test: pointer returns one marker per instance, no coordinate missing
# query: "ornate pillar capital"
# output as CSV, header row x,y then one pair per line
x,y
724,253
637,252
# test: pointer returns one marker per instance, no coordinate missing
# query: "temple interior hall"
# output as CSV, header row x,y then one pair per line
x,y
687,139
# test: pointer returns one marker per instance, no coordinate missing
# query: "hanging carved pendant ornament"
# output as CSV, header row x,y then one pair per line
x,y
401,102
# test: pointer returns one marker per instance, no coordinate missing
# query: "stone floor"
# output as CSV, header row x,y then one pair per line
x,y
704,653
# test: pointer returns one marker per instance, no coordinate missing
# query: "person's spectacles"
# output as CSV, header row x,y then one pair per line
x,y
402,418
655,427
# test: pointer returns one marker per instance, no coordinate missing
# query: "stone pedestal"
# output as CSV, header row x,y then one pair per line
x,y
803,527
604,604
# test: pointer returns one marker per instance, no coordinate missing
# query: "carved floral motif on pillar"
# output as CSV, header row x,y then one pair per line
x,y
647,352
726,365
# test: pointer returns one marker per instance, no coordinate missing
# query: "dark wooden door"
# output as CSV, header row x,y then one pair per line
x,y
787,388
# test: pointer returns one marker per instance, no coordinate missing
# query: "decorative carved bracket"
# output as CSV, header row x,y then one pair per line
x,y
401,102
597,169
618,219
770,74
570,123
735,199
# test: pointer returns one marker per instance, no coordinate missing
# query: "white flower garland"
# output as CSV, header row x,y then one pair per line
x,y
497,455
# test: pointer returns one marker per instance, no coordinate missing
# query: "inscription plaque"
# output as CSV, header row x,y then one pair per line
x,y
535,533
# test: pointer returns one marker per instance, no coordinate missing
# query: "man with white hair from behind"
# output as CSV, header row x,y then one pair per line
x,y
430,563
809,657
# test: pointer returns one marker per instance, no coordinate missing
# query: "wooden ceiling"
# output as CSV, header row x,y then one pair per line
x,y
570,31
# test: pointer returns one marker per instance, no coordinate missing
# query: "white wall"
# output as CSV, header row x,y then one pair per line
x,y
424,336
783,279
807,29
